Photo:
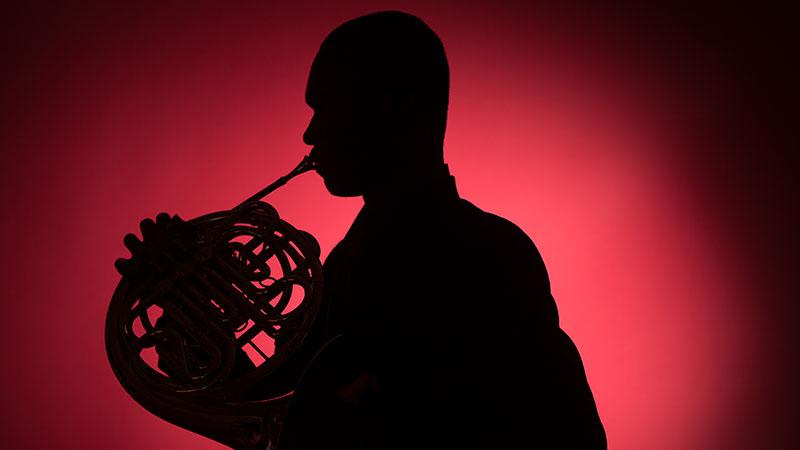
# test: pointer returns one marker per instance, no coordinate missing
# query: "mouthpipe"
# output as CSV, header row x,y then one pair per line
x,y
307,164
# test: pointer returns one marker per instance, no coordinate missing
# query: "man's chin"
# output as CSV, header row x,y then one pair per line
x,y
342,189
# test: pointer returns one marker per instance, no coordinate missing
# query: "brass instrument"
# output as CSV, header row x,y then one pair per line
x,y
210,307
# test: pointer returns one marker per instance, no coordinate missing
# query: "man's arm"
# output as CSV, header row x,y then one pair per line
x,y
556,406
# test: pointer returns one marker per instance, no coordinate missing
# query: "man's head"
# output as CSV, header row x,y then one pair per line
x,y
379,90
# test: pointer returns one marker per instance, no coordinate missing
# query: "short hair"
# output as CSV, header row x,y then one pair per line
x,y
397,52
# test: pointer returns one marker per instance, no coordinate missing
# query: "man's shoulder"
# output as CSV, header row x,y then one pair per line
x,y
490,227
498,237
509,262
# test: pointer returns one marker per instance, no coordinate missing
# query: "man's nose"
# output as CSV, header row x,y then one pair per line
x,y
310,135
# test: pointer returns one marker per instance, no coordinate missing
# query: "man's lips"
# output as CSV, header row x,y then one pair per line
x,y
319,168
314,154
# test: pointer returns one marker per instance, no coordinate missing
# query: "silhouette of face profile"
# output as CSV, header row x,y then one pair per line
x,y
378,87
343,128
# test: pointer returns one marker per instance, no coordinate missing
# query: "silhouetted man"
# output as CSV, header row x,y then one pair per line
x,y
458,334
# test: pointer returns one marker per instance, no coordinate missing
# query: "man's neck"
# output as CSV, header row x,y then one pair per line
x,y
402,187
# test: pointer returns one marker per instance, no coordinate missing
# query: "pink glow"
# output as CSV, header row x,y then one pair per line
x,y
191,111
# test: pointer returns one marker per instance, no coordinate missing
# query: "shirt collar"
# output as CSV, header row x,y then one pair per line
x,y
424,193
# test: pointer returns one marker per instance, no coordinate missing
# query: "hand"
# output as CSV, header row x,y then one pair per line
x,y
165,242
356,391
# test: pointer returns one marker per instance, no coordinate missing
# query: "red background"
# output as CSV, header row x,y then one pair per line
x,y
645,150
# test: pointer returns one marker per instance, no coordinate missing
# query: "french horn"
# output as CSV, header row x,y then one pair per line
x,y
208,308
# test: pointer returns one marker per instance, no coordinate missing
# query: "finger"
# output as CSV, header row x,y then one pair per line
x,y
148,227
162,218
122,265
132,242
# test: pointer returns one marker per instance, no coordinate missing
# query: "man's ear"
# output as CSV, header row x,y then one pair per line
x,y
397,104
388,104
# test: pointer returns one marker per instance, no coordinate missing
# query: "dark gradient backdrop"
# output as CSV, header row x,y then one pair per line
x,y
645,150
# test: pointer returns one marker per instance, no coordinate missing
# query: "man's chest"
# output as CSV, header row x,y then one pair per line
x,y
393,283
